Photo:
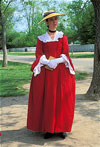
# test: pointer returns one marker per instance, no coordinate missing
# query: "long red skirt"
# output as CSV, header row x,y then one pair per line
x,y
51,101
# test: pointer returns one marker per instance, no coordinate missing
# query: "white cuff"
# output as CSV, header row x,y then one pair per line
x,y
37,68
67,64
43,60
64,59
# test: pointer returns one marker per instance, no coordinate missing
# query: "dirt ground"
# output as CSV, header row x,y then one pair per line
x,y
85,131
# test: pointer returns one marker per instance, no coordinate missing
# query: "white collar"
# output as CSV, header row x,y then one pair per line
x,y
46,37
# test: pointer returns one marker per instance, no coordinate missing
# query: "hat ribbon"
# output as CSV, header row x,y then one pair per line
x,y
48,14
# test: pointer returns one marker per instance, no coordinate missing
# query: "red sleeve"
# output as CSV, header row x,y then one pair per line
x,y
38,54
66,49
39,50
65,46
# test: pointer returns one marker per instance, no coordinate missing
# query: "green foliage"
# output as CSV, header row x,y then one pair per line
x,y
7,14
15,39
78,25
0,38
81,22
33,11
87,27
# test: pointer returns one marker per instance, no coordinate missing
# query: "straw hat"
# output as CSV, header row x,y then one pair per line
x,y
50,14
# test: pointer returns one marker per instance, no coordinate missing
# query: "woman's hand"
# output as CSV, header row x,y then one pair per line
x,y
52,64
43,60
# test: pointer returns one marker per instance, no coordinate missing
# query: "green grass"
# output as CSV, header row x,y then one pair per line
x,y
13,77
74,55
80,75
20,53
82,55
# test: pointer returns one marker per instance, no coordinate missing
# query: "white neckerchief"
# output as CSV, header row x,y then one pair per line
x,y
46,37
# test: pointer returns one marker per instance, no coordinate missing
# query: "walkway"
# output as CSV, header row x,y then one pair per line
x,y
80,64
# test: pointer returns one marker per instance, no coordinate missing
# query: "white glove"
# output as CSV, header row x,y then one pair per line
x,y
60,60
53,63
43,60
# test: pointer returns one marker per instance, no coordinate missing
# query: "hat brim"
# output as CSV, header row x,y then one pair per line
x,y
51,15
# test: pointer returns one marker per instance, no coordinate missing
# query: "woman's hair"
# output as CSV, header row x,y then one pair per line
x,y
47,21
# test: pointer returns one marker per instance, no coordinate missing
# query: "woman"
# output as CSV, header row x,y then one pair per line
x,y
52,89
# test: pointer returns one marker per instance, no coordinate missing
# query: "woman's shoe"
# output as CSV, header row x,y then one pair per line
x,y
63,135
48,135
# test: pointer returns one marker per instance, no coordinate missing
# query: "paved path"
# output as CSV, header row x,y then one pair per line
x,y
17,58
80,64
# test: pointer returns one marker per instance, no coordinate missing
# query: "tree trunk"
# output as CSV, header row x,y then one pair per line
x,y
3,33
5,63
94,90
32,17
29,21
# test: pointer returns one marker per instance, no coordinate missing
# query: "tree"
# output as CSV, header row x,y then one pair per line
x,y
29,11
4,6
81,21
33,13
87,26
3,34
94,89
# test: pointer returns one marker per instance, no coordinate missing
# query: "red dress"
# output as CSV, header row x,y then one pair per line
x,y
52,93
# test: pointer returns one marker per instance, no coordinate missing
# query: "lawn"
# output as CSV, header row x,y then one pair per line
x,y
81,55
74,55
13,77
20,53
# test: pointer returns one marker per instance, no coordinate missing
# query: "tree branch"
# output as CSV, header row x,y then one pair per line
x,y
8,5
87,1
85,4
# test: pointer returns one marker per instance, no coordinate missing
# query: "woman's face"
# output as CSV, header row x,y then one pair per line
x,y
52,22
